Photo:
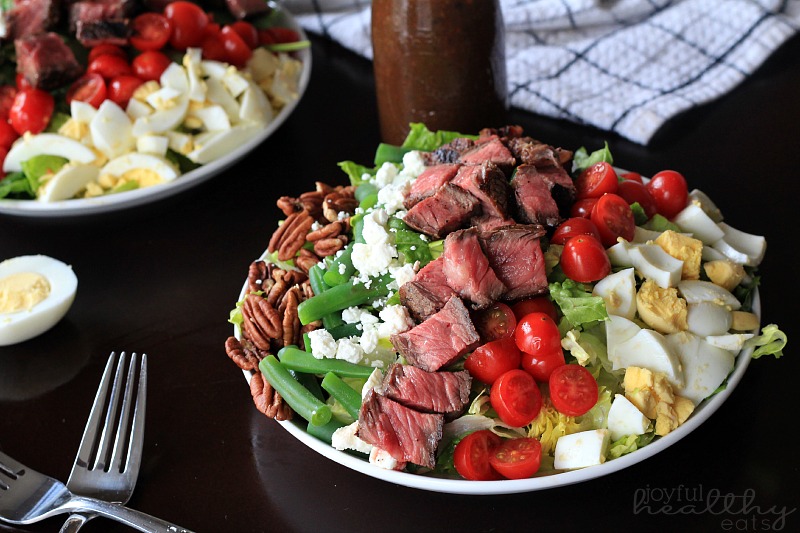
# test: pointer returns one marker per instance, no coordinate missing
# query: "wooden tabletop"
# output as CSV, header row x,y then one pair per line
x,y
161,278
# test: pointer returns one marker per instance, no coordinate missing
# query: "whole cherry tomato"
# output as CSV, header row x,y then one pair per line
x,y
31,111
103,49
541,304
149,65
584,259
542,364
188,22
235,48
110,66
669,191
121,89
634,191
494,322
574,226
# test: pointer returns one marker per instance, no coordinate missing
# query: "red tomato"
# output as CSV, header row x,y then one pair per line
x,y
235,48
517,458
634,191
188,23
613,217
151,31
7,134
150,65
669,191
277,35
7,94
542,364
596,181
213,48
493,359
574,226
89,88
471,456
583,208
584,259
103,49
573,390
3,154
495,322
633,176
121,88
540,304
516,398
31,111
247,32
537,333
110,66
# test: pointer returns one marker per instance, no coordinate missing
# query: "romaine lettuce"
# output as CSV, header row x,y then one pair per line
x,y
580,308
770,342
582,159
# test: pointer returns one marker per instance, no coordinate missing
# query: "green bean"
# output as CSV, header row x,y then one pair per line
x,y
316,277
299,360
310,382
341,268
345,330
389,152
325,431
300,399
364,190
343,393
352,293
357,224
369,201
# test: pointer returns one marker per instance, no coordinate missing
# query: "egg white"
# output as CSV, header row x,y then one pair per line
x,y
22,325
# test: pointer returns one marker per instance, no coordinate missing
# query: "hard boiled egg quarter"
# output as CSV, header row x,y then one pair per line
x,y
36,292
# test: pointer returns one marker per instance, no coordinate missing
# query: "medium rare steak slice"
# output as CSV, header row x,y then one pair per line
x,y
428,292
446,211
492,150
45,61
31,17
406,434
468,271
91,34
450,152
535,204
562,187
486,182
441,339
430,392
532,152
430,181
516,256
94,11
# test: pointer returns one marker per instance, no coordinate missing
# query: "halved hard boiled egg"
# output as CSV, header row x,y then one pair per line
x,y
36,291
145,169
29,146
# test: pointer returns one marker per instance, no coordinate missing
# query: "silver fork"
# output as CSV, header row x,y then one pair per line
x,y
95,473
27,496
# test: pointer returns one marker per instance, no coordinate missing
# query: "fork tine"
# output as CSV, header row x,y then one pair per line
x,y
132,437
93,424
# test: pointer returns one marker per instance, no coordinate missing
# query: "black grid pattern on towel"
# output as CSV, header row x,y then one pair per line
x,y
625,65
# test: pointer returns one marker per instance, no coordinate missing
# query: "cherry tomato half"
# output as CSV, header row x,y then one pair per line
x,y
583,208
89,88
188,22
541,304
542,364
613,217
247,32
634,191
669,191
517,458
573,390
574,226
31,111
632,176
149,65
584,259
7,134
121,88
103,49
213,48
495,322
151,31
516,398
493,359
109,66
537,333
596,180
471,456
235,48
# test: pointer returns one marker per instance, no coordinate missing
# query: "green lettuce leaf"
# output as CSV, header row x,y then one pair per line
x,y
425,140
771,342
39,165
582,159
355,172
16,185
639,216
628,444
659,223
576,302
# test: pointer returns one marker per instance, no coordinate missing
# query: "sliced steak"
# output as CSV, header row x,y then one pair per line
x,y
91,34
535,204
562,187
428,292
247,8
450,152
441,339
516,257
45,61
430,392
94,11
486,182
491,150
468,271
32,17
430,181
484,223
529,151
406,434
447,210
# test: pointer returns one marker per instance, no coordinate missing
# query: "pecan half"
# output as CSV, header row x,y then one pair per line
x,y
329,246
306,259
261,321
328,230
291,235
244,353
259,276
267,399
291,322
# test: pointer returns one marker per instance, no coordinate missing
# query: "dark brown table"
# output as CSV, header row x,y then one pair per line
x,y
161,279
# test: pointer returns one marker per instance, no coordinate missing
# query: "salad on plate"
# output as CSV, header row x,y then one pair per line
x,y
489,307
109,102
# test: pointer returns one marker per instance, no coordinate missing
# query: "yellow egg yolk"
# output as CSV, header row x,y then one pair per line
x,y
22,291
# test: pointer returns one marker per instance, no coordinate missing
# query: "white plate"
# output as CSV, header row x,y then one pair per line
x,y
297,427
113,202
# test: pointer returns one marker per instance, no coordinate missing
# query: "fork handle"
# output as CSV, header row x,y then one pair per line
x,y
75,522
131,517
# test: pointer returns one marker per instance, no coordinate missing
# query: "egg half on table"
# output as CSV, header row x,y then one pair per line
x,y
36,292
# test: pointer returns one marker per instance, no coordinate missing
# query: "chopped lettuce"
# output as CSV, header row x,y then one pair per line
x,y
355,172
425,140
39,165
410,244
660,223
16,185
582,159
628,444
576,302
771,342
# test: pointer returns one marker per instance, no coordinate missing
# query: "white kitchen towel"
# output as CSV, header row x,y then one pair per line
x,y
621,65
